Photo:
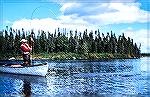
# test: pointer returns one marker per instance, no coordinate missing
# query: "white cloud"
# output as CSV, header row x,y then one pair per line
x,y
37,24
87,14
140,36
24,23
106,13
91,1
67,6
49,24
7,22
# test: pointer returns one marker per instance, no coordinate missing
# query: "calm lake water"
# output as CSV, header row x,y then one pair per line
x,y
105,78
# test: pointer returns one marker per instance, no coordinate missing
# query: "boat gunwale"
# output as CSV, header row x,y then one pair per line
x,y
42,64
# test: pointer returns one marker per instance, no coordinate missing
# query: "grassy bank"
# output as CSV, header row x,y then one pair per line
x,y
71,56
74,56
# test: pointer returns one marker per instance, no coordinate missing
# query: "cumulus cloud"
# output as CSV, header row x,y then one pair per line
x,y
49,24
91,1
140,37
105,13
87,14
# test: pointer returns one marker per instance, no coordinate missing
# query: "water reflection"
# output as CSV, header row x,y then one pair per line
x,y
115,78
86,67
26,88
97,86
21,85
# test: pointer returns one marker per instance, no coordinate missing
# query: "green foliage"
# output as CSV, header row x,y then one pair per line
x,y
79,45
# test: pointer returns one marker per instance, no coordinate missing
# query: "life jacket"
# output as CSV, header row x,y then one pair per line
x,y
25,47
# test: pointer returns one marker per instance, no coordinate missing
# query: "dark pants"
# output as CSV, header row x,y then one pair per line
x,y
26,59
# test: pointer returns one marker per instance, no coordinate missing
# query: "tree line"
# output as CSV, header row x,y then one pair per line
x,y
76,42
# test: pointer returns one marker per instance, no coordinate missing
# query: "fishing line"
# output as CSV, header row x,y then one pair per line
x,y
32,28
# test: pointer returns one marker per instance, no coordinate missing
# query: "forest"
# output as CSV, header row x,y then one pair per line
x,y
76,42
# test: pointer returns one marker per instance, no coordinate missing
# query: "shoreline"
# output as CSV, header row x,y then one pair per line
x,y
74,56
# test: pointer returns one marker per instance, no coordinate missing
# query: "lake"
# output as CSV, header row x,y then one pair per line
x,y
104,78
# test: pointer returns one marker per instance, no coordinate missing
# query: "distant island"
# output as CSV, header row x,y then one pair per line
x,y
145,54
70,45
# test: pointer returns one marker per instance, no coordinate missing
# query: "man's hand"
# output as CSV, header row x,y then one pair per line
x,y
31,39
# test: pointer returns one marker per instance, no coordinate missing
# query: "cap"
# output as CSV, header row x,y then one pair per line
x,y
23,40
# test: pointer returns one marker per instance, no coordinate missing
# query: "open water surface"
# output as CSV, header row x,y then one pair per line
x,y
105,78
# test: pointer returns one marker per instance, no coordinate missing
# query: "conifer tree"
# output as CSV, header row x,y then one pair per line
x,y
11,42
1,42
43,42
6,42
17,44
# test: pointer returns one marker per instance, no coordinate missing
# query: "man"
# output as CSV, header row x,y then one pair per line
x,y
26,49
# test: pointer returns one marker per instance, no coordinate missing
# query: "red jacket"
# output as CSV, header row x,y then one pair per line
x,y
25,47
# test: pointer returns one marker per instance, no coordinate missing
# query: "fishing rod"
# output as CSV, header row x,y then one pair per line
x,y
32,34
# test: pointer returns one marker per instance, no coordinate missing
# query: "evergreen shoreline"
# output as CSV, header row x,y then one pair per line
x,y
74,56
67,45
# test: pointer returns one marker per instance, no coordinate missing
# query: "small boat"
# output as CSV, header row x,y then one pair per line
x,y
38,69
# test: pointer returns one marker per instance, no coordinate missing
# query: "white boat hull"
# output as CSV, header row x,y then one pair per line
x,y
40,70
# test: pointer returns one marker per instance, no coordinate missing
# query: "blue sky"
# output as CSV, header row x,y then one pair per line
x,y
13,10
121,16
